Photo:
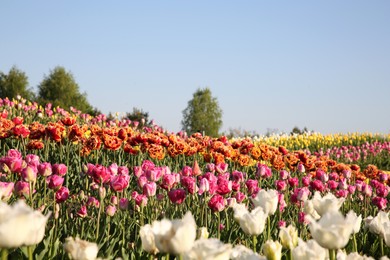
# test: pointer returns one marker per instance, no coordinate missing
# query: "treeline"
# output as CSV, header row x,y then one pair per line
x,y
58,88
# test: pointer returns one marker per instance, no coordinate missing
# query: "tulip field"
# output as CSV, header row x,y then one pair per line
x,y
74,186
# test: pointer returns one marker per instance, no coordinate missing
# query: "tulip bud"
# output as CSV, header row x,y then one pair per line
x,y
102,192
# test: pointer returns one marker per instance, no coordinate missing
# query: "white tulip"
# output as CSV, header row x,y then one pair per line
x,y
333,230
288,237
309,250
379,225
176,236
272,250
327,203
341,255
252,223
80,249
376,224
203,233
208,249
308,209
268,200
355,220
241,252
20,225
147,239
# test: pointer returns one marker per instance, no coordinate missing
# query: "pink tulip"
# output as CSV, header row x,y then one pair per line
x,y
281,185
263,171
29,173
100,174
123,204
22,189
119,182
147,165
62,194
114,200
252,186
380,202
306,181
123,170
177,196
332,185
190,184
204,186
113,169
92,201
210,167
141,200
6,190
238,176
44,169
59,169
293,182
221,167
110,210
239,197
32,160
54,182
284,175
168,181
217,203
186,171
82,212
224,185
322,175
301,168
142,180
137,170
149,189
317,185
236,186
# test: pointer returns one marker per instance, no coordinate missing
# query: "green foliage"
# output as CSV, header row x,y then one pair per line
x,y
61,89
15,83
298,131
139,115
202,114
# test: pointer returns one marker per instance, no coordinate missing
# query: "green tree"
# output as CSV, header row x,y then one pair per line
x,y
15,83
298,131
202,114
61,89
140,116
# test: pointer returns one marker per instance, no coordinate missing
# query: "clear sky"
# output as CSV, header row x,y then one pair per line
x,y
271,64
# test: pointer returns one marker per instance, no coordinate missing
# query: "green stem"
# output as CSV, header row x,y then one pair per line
x,y
254,241
30,253
332,254
382,249
268,228
354,243
219,225
290,254
4,254
98,219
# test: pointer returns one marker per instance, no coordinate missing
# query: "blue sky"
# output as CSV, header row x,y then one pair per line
x,y
271,64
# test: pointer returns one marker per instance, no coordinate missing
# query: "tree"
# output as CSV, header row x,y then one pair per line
x,y
140,116
202,114
61,89
15,83
298,131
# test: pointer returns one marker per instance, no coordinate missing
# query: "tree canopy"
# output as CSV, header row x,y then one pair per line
x,y
15,83
202,114
61,89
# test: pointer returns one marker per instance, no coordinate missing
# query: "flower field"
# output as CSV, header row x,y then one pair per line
x,y
75,186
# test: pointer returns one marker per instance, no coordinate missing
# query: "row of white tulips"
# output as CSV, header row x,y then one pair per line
x,y
330,229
